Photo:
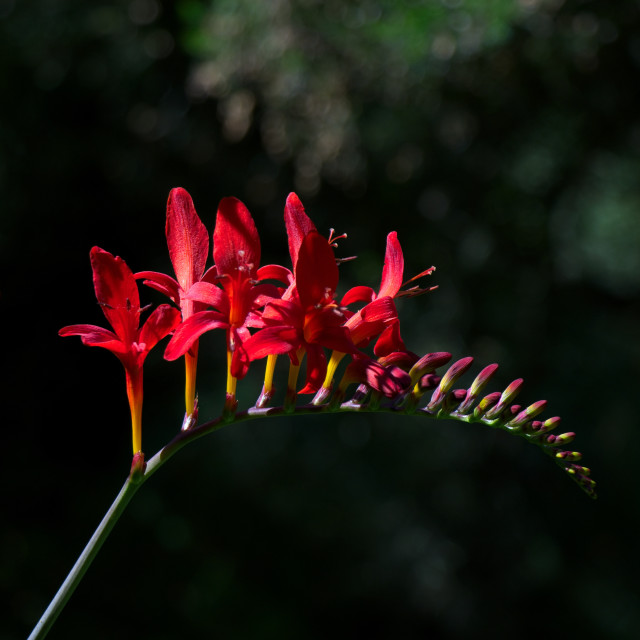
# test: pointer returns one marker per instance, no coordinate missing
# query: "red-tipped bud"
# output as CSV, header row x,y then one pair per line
x,y
530,412
403,359
482,379
427,364
486,403
455,371
507,396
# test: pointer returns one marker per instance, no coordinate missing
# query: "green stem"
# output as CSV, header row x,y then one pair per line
x,y
135,480
85,559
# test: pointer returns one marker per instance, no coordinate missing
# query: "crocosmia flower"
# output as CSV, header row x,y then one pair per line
x,y
117,295
307,318
236,253
188,242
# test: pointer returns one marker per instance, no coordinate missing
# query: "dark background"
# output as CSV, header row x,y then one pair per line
x,y
501,140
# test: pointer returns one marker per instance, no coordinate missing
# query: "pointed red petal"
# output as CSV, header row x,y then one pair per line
x,y
117,293
393,267
358,294
236,243
160,282
187,238
209,294
298,225
162,321
316,369
272,341
191,329
275,272
389,341
316,271
94,336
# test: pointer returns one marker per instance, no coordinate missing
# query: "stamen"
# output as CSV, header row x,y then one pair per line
x,y
333,239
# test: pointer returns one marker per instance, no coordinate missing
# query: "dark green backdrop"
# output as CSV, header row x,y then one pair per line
x,y
501,140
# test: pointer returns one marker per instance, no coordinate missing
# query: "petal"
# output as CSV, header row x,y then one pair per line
x,y
381,309
275,272
393,267
161,322
187,238
272,341
236,244
209,294
94,336
316,369
298,225
191,329
160,282
117,293
240,359
358,294
389,341
316,271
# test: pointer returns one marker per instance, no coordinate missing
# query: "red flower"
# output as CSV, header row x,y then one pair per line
x,y
188,243
117,294
236,253
307,317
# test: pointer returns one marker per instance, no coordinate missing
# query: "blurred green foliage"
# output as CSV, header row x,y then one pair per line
x,y
500,139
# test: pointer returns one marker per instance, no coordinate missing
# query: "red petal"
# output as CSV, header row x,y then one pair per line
x,y
275,272
160,282
389,341
272,340
94,336
393,267
358,294
236,243
382,309
187,238
240,359
191,329
161,322
316,369
298,225
316,271
117,293
209,294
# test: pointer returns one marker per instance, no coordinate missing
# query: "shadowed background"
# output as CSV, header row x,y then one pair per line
x,y
501,140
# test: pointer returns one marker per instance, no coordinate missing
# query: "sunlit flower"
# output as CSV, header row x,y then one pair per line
x,y
236,253
117,295
188,243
